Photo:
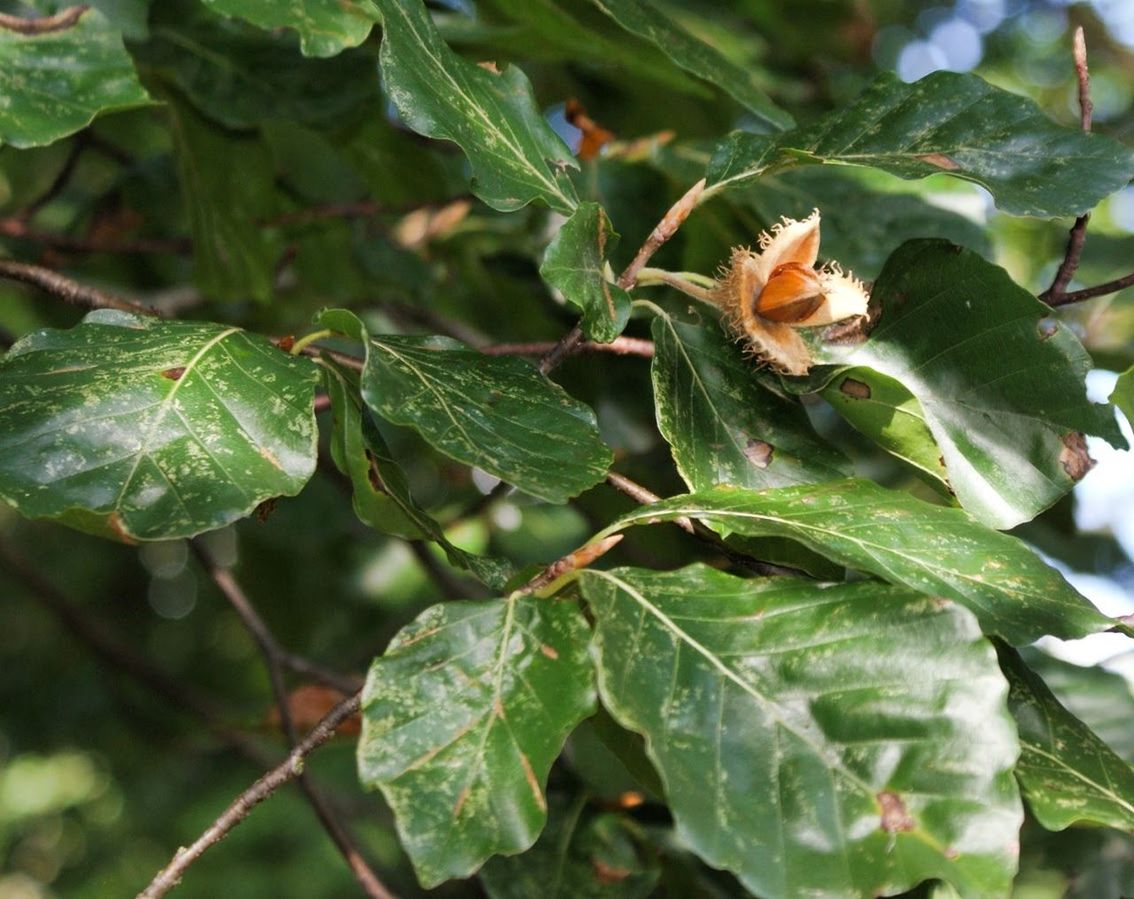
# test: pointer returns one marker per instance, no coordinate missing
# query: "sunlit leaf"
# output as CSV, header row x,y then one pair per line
x,y
56,82
937,550
722,425
141,429
1069,775
946,122
325,27
461,719
846,740
575,264
515,156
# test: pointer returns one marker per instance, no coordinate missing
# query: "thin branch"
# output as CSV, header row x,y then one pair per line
x,y
663,231
60,21
17,227
287,770
65,289
275,658
1056,294
1089,293
620,346
121,656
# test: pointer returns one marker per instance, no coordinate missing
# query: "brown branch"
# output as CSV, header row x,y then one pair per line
x,y
287,770
1056,294
17,227
1089,293
62,20
275,659
65,289
121,656
663,231
620,346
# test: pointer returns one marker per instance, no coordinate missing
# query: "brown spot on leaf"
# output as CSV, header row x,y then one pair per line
x,y
759,453
630,799
1047,327
855,389
608,874
174,374
1073,457
895,818
941,161
372,473
489,65
533,782
114,523
461,800
270,457
286,343
549,651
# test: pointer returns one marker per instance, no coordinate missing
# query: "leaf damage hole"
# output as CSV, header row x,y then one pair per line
x,y
895,817
1047,328
1074,457
175,373
855,389
549,651
758,452
941,161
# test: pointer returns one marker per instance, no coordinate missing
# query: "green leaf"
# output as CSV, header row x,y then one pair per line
x,y
952,123
847,740
495,412
1099,698
888,533
1123,394
142,429
325,27
648,20
241,76
723,426
515,155
579,855
461,719
576,265
887,413
1000,383
226,183
381,496
55,83
1068,774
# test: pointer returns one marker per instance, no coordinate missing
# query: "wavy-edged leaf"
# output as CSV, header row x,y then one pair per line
x,y
141,429
462,718
650,21
847,740
381,496
325,27
1068,774
575,264
579,855
56,82
1001,384
722,425
1101,699
240,76
946,122
515,155
937,550
497,413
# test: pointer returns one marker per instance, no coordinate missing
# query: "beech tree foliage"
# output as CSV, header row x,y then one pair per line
x,y
638,440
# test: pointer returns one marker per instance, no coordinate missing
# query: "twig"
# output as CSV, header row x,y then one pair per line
x,y
275,658
122,656
287,770
706,535
67,290
620,346
573,561
1088,293
663,231
1055,295
61,20
17,227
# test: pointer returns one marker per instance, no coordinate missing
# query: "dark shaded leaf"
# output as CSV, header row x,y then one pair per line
x,y
141,429
461,719
515,156
952,123
845,740
1068,774
934,549
576,265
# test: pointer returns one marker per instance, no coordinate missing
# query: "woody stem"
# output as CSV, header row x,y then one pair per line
x,y
682,281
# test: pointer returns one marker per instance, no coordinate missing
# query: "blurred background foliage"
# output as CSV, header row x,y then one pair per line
x,y
268,185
